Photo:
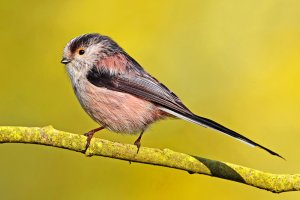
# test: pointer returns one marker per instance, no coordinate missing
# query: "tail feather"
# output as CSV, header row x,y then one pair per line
x,y
216,126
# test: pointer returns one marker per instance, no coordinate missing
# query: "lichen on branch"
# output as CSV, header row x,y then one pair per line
x,y
49,136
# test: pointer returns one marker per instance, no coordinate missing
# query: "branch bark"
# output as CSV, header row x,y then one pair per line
x,y
49,136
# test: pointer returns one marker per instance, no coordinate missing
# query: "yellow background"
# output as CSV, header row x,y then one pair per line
x,y
236,62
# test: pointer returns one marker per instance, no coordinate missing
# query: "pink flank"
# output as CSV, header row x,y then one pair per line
x,y
118,111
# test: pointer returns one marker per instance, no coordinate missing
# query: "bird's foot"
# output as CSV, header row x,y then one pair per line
x,y
137,143
90,135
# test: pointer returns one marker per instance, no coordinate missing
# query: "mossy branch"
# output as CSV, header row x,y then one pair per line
x,y
49,136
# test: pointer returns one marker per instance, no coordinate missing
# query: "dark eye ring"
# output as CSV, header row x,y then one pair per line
x,y
81,52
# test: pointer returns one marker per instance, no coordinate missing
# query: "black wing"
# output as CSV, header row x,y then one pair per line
x,y
144,86
138,84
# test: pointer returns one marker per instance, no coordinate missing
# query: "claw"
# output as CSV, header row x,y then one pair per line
x,y
137,143
90,135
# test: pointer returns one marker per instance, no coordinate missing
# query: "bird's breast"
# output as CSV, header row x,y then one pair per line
x,y
117,111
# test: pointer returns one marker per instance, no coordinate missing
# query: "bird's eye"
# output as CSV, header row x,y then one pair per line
x,y
81,52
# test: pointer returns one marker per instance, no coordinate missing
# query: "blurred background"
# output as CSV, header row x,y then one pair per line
x,y
236,62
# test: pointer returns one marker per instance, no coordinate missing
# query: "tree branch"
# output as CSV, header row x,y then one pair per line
x,y
49,136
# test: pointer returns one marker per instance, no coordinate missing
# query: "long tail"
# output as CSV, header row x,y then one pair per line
x,y
216,126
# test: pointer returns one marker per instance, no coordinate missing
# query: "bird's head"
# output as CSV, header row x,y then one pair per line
x,y
88,49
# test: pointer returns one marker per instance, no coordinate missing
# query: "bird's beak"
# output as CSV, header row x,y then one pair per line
x,y
65,61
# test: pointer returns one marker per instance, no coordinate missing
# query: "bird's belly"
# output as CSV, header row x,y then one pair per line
x,y
118,111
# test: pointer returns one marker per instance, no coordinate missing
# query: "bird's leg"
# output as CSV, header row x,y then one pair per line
x,y
90,135
137,143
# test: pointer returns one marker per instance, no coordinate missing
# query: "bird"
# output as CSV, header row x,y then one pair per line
x,y
118,94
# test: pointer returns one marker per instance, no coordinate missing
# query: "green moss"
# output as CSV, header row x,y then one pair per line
x,y
166,157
